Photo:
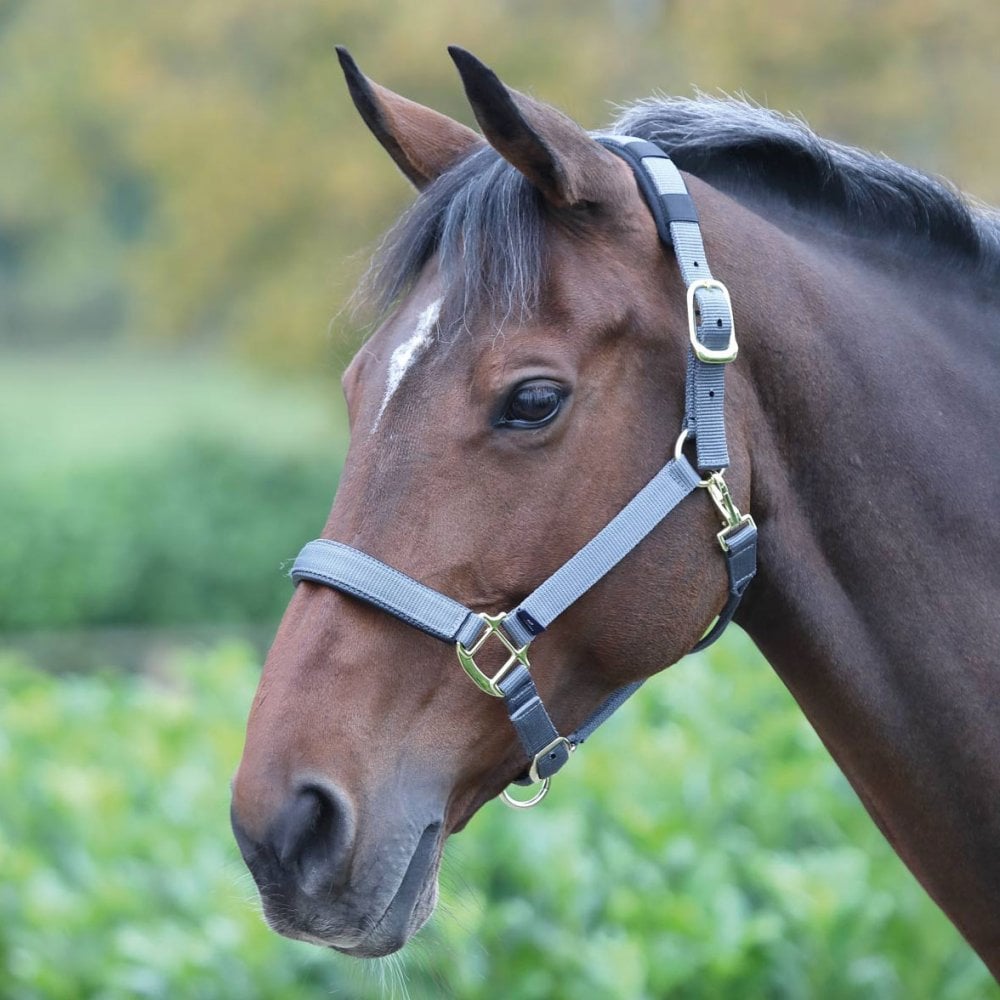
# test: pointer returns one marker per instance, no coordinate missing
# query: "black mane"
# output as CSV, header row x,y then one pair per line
x,y
751,152
486,223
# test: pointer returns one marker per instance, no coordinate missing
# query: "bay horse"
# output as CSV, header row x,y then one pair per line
x,y
531,373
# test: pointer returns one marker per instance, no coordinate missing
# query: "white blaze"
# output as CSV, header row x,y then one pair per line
x,y
407,353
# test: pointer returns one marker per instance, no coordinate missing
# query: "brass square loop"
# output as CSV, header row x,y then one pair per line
x,y
467,657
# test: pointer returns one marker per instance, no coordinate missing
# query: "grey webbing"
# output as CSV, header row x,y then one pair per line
x,y
603,552
532,723
741,567
344,568
604,711
361,575
705,394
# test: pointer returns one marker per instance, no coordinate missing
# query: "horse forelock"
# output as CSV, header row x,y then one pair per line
x,y
484,223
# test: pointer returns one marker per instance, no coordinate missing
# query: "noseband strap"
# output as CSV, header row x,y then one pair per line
x,y
711,346
363,576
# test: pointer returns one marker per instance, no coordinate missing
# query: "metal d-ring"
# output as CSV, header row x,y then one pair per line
x,y
508,800
679,446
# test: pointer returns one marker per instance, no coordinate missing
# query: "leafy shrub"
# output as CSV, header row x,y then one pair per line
x,y
195,532
702,845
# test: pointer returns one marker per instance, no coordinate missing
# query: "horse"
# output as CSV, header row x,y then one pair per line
x,y
530,375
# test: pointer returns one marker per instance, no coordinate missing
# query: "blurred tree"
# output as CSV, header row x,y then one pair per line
x,y
196,171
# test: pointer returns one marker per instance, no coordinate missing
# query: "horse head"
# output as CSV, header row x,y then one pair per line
x,y
526,382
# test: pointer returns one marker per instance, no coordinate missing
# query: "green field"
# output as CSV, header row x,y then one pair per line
x,y
66,411
729,858
142,490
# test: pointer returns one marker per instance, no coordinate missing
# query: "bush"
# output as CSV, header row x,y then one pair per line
x,y
702,845
195,532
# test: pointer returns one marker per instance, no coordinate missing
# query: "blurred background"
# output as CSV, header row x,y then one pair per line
x,y
187,198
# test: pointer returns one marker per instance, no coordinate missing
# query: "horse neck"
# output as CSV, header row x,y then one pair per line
x,y
871,416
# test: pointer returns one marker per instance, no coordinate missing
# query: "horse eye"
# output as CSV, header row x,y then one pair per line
x,y
533,404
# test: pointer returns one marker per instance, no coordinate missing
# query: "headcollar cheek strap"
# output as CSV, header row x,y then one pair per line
x,y
711,330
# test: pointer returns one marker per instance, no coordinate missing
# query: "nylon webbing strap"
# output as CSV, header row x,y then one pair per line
x,y
336,565
344,568
664,189
605,710
741,567
360,575
532,723
603,552
348,569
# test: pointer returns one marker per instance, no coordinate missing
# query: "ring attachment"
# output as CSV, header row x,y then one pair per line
x,y
679,445
508,800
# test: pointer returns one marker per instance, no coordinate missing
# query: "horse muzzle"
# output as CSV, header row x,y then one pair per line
x,y
320,882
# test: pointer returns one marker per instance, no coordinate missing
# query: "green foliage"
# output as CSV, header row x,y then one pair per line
x,y
132,503
118,877
702,845
195,533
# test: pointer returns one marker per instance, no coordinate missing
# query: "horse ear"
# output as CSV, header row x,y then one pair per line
x,y
551,150
422,142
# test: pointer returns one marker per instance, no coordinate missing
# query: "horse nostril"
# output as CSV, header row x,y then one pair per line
x,y
312,835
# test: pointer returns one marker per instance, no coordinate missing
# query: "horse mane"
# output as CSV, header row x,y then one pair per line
x,y
486,223
753,153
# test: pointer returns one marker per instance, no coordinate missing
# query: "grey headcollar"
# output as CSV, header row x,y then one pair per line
x,y
711,346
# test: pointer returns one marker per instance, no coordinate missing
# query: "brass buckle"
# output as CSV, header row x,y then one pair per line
x,y
466,657
711,356
733,520
509,800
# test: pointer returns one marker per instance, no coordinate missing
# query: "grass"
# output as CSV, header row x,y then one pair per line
x,y
68,411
